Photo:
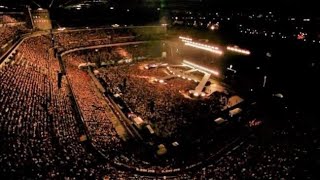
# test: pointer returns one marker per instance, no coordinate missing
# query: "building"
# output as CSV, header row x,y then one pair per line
x,y
41,19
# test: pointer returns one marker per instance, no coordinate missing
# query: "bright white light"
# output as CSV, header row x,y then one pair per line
x,y
200,68
203,94
204,47
111,7
161,81
196,94
185,39
279,95
242,51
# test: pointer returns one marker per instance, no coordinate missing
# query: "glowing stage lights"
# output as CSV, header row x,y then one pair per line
x,y
185,39
161,81
188,42
212,49
238,50
197,94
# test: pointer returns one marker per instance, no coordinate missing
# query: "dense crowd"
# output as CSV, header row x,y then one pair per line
x,y
281,157
250,159
10,33
10,29
4,19
90,37
40,131
171,109
139,93
96,116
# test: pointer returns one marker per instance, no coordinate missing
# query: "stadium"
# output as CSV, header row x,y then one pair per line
x,y
133,102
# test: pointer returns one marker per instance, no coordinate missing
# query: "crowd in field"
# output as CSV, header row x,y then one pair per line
x,y
40,129
250,159
163,105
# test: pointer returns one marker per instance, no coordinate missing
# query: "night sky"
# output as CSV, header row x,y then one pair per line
x,y
282,5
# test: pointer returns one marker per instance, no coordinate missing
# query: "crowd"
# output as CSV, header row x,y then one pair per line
x,y
40,133
139,93
171,110
96,116
250,160
285,156
4,19
10,32
109,55
277,159
90,37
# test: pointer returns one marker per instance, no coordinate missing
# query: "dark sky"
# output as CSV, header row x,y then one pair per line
x,y
308,6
